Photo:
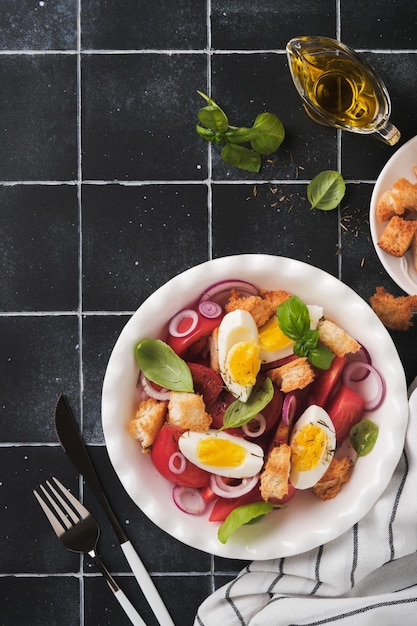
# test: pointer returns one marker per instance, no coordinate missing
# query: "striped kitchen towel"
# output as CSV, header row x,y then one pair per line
x,y
368,576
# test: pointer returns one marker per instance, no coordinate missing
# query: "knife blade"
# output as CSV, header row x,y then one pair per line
x,y
71,440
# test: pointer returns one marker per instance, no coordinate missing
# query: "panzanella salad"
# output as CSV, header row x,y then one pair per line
x,y
249,399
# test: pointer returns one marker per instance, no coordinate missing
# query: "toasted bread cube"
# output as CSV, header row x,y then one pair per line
x,y
336,339
394,312
296,374
397,236
148,421
187,410
414,250
274,478
337,474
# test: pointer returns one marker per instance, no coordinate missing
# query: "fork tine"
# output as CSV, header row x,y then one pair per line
x,y
56,525
61,514
81,510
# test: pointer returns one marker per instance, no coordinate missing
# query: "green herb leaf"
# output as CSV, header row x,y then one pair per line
x,y
206,133
326,190
239,135
293,318
212,115
163,366
320,357
363,437
241,157
245,514
239,413
268,133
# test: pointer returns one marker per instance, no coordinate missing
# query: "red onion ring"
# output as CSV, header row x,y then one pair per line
x,y
210,309
188,500
361,355
178,318
258,420
220,291
289,408
149,389
349,379
225,490
171,463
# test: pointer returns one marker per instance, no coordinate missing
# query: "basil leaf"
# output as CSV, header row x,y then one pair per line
x,y
206,133
293,318
239,413
213,117
239,135
321,357
163,366
269,133
241,157
363,437
326,190
242,515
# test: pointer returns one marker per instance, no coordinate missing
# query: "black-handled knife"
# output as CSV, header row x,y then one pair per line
x,y
71,440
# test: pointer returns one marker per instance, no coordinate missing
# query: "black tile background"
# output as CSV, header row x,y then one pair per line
x,y
106,192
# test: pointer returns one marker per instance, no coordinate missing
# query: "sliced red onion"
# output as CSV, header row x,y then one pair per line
x,y
350,379
226,490
189,500
210,309
187,314
362,355
149,389
220,291
177,463
289,408
259,424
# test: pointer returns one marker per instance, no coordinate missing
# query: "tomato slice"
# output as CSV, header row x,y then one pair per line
x,y
345,409
326,382
219,407
164,446
203,328
223,506
206,382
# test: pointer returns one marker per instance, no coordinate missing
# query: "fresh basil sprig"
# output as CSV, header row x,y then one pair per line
x,y
239,413
363,437
294,321
241,515
264,137
326,190
163,366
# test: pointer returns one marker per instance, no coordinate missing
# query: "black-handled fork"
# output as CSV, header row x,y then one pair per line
x,y
79,532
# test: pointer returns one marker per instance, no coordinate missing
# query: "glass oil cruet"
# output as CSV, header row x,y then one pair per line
x,y
339,88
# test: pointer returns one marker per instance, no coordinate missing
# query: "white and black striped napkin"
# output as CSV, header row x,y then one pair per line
x,y
368,576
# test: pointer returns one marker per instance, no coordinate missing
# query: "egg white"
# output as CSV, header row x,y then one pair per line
x,y
251,464
236,327
316,416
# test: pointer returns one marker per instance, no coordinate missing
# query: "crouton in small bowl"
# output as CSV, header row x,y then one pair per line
x,y
393,217
150,428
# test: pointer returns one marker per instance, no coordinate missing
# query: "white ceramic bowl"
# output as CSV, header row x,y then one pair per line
x,y
400,165
307,522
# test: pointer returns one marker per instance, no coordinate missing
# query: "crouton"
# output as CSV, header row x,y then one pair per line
x,y
397,236
187,410
274,478
296,374
274,298
400,200
394,312
255,305
414,250
336,339
148,421
337,474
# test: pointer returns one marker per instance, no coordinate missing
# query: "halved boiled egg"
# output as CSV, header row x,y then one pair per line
x,y
273,344
238,352
221,453
313,443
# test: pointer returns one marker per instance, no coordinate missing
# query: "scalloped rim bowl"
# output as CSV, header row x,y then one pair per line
x,y
400,165
307,522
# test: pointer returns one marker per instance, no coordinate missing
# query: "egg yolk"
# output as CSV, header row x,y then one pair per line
x,y
220,452
243,363
307,447
271,336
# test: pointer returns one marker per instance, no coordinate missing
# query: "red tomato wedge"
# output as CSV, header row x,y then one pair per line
x,y
223,506
164,446
206,382
204,327
345,409
326,381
